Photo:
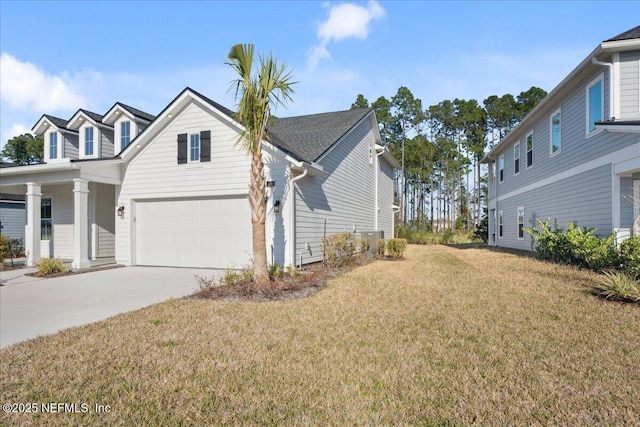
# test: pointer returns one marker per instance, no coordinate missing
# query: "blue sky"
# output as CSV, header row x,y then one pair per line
x,y
57,57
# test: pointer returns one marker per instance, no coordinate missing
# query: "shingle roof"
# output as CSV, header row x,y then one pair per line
x,y
308,137
633,33
94,116
219,107
57,121
137,113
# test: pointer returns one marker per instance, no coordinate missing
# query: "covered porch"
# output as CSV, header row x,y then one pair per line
x,y
70,209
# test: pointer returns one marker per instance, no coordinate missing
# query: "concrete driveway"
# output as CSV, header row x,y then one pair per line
x,y
30,306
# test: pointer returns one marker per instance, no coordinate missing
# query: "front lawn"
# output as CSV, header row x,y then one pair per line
x,y
446,337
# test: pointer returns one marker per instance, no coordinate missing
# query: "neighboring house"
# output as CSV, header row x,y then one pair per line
x,y
12,215
576,156
172,190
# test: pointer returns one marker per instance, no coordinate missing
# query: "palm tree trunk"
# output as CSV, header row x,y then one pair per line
x,y
258,217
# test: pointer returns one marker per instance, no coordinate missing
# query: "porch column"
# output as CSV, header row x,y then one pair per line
x,y
32,229
80,224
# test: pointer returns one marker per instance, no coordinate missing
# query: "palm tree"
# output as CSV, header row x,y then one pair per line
x,y
257,94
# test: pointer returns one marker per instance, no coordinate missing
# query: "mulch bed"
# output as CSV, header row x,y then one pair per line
x,y
70,272
307,282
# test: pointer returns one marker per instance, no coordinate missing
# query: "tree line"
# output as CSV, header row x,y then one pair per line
x,y
440,183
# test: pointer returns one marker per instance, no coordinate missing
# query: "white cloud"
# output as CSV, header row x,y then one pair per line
x,y
24,86
345,20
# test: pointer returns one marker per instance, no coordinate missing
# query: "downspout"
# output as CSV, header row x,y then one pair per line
x,y
292,215
611,94
378,154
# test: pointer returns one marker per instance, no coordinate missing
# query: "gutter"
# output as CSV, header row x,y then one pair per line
x,y
611,94
380,150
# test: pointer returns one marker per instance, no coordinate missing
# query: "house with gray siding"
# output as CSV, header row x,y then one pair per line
x,y
171,190
576,156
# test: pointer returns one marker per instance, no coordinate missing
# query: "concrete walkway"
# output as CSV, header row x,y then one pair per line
x,y
31,306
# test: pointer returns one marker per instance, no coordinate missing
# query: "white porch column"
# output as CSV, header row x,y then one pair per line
x,y
32,229
80,224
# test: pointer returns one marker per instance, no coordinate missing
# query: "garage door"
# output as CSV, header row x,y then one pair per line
x,y
208,233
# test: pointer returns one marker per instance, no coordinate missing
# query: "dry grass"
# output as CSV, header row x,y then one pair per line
x,y
446,337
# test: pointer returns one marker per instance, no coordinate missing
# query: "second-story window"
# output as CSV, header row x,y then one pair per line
x,y
530,149
501,168
516,158
194,148
556,136
53,145
125,134
88,141
595,108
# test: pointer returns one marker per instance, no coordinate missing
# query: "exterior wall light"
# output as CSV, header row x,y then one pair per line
x,y
276,206
121,211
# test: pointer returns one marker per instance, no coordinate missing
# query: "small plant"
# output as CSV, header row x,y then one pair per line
x,y
339,249
363,246
230,277
617,286
396,248
380,248
48,266
206,283
292,271
247,274
275,271
5,248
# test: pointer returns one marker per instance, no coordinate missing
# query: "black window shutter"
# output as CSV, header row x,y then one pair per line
x,y
205,146
182,148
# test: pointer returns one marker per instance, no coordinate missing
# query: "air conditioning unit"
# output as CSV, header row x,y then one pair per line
x,y
373,237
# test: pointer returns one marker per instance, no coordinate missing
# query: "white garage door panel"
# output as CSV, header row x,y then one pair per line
x,y
208,233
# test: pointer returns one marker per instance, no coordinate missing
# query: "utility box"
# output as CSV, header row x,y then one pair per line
x,y
373,237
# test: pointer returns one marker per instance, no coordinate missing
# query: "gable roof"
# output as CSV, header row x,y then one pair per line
x,y
137,113
308,137
56,121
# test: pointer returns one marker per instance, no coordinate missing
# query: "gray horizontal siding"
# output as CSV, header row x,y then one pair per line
x,y
71,146
12,219
630,85
345,199
626,202
576,148
584,198
106,143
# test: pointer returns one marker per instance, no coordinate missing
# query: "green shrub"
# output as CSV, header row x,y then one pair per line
x,y
339,249
48,266
247,274
618,286
396,248
381,246
576,246
5,248
629,256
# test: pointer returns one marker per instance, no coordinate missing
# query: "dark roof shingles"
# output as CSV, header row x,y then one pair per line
x,y
57,121
138,113
308,137
633,33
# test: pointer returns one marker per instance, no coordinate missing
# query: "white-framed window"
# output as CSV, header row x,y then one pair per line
x,y
520,222
556,132
501,168
500,224
529,140
46,219
595,103
53,145
194,147
516,158
125,134
88,141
